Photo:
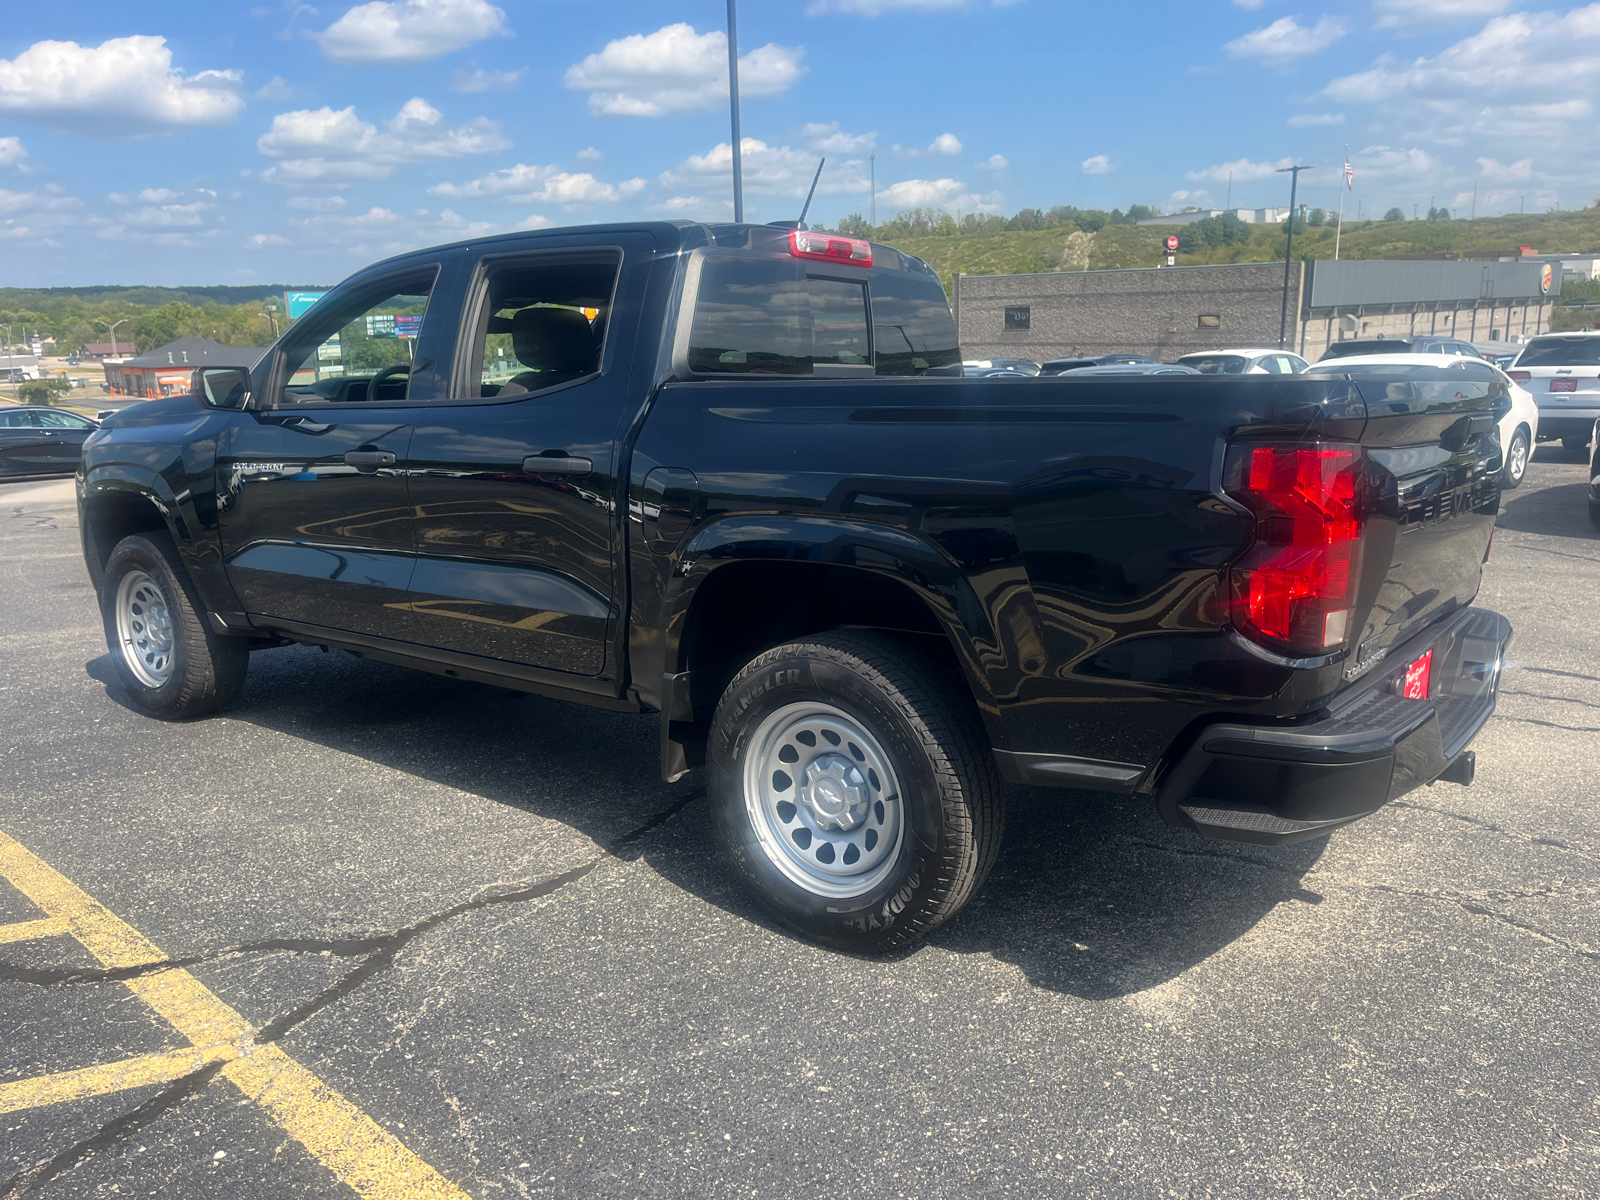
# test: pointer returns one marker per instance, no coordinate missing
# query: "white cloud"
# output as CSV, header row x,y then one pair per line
x,y
1392,164
680,206
327,146
946,144
12,155
921,193
410,31
830,139
1431,12
589,155
276,88
1184,198
1497,172
165,216
1304,120
524,184
768,170
876,8
319,203
675,69
124,87
995,162
534,221
1286,39
158,195
1252,5
1241,170
487,81
1100,164
260,241
34,217
379,232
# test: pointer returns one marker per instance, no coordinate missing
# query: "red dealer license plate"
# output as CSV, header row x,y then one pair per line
x,y
1563,385
1415,684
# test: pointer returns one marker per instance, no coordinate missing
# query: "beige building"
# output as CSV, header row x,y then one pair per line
x,y
1172,311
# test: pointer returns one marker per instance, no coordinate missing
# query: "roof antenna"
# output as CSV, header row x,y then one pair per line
x,y
801,223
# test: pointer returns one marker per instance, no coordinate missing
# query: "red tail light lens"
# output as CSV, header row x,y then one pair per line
x,y
830,246
1296,585
1520,376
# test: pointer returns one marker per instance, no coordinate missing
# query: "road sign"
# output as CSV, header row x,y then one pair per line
x,y
298,302
1172,242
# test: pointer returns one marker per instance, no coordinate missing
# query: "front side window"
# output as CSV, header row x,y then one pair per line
x,y
543,324
362,349
61,420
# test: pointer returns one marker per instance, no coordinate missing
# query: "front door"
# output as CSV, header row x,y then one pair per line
x,y
314,510
514,478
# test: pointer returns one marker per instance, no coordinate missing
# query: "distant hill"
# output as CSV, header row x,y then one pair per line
x,y
1116,246
41,298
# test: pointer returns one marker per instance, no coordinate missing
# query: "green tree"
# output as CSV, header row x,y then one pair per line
x,y
1317,216
1395,214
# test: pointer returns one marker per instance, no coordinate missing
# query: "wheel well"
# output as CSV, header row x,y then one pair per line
x,y
112,516
745,608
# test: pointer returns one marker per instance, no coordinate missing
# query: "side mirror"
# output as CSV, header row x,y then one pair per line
x,y
223,387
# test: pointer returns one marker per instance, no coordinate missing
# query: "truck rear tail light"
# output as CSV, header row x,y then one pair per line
x,y
1414,684
830,246
1296,585
1520,376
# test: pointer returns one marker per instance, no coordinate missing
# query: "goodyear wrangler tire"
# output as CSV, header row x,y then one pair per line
x,y
854,788
171,663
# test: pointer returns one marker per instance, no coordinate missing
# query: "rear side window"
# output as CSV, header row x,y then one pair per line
x,y
1561,352
911,324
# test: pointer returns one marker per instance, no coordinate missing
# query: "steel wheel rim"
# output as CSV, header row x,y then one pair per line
x,y
144,629
824,800
1519,456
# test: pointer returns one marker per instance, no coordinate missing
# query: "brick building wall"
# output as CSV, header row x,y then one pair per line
x,y
1154,311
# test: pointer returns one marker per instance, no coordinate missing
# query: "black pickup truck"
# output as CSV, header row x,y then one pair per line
x,y
729,473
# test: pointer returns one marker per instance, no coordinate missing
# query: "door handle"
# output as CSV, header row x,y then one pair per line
x,y
369,458
537,465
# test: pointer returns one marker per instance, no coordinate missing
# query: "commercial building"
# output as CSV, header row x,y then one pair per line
x,y
167,371
1172,311
1250,216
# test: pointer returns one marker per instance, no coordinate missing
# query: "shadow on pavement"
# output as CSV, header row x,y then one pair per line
x,y
1559,511
1092,895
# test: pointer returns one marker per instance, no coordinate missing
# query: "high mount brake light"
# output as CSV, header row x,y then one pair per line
x,y
1296,585
830,247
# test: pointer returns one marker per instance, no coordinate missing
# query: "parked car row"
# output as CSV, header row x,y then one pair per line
x,y
35,440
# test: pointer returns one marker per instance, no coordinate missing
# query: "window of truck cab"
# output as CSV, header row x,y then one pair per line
x,y
368,341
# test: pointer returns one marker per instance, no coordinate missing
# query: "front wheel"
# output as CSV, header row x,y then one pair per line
x,y
171,663
854,788
1516,460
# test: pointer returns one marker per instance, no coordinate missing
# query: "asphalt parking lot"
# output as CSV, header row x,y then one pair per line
x,y
389,932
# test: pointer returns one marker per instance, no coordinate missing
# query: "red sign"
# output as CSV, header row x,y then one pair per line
x,y
1172,242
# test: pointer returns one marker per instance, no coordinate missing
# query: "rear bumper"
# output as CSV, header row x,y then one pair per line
x,y
1280,784
1566,424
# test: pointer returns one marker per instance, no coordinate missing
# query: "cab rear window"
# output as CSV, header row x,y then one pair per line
x,y
1561,352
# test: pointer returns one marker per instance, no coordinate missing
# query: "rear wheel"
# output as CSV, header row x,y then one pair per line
x,y
171,663
1594,513
1516,460
854,788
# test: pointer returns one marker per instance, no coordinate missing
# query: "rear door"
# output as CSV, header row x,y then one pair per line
x,y
514,474
313,503
65,434
24,447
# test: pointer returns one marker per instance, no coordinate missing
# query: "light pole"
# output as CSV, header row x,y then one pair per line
x,y
872,194
111,327
1288,251
733,104
7,328
270,311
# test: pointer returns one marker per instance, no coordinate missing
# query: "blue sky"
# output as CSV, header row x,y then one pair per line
x,y
189,142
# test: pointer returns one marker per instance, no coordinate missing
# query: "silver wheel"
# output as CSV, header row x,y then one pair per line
x,y
1517,459
823,800
144,629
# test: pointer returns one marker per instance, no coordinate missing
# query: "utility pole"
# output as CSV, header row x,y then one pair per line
x,y
1288,252
733,104
872,196
1228,203
112,327
1474,202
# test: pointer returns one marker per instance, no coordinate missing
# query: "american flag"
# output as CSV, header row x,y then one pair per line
x,y
1349,176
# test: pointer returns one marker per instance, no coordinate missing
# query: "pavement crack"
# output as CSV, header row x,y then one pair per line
x,y
1553,724
1542,696
1554,671
174,1095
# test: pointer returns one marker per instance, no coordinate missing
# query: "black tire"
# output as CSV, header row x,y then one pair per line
x,y
1594,513
1576,444
951,799
1517,454
191,670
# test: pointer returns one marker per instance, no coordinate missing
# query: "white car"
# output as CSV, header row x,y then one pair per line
x,y
1244,362
1519,427
1562,370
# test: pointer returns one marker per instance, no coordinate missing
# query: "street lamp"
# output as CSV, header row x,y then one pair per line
x,y
733,105
111,327
1288,252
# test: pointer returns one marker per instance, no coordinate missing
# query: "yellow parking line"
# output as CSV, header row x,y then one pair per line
x,y
105,1078
26,931
373,1162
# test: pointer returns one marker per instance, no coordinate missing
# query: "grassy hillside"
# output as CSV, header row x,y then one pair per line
x,y
1120,246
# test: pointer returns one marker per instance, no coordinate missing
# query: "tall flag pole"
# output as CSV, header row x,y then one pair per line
x,y
733,103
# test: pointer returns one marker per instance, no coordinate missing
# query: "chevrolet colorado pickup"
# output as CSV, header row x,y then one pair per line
x,y
728,473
